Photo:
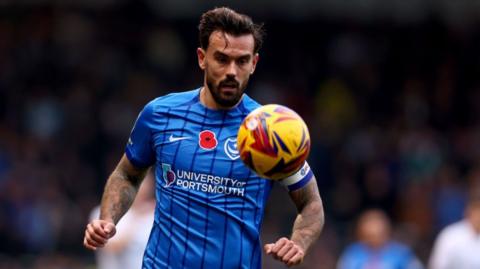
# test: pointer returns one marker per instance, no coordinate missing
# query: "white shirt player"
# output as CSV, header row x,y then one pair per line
x,y
125,249
457,247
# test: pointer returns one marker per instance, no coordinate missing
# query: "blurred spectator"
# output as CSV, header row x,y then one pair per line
x,y
449,197
458,245
375,248
125,249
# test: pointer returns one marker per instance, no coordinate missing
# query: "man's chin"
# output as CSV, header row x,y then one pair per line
x,y
228,101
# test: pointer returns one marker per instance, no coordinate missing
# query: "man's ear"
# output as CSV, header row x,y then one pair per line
x,y
201,58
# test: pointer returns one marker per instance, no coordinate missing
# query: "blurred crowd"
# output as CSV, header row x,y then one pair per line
x,y
393,111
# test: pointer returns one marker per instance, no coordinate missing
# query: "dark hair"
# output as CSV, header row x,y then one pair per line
x,y
229,21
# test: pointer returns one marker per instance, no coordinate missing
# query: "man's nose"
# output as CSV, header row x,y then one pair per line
x,y
232,69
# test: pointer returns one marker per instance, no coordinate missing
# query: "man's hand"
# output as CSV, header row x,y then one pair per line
x,y
97,234
285,250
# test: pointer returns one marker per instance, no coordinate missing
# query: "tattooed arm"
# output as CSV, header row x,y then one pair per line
x,y
118,196
306,229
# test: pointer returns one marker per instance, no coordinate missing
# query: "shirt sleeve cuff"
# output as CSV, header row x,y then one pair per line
x,y
131,158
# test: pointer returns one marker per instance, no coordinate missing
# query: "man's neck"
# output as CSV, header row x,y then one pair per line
x,y
207,100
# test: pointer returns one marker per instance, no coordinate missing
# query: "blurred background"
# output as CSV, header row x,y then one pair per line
x,y
389,89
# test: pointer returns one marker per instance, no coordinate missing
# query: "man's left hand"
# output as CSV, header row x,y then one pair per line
x,y
285,250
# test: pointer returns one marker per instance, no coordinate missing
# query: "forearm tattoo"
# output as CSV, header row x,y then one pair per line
x,y
310,218
118,196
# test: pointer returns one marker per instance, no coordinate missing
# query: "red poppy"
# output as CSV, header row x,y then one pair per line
x,y
207,140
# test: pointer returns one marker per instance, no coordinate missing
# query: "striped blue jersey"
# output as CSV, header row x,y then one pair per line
x,y
209,204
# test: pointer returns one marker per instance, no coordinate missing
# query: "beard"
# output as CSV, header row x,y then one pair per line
x,y
226,97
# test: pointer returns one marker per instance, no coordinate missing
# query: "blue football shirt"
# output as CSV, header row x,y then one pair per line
x,y
209,204
393,255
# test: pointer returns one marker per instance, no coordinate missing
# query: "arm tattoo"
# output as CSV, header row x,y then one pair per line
x,y
310,217
120,191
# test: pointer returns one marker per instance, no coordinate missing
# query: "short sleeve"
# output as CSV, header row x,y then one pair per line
x,y
139,149
299,179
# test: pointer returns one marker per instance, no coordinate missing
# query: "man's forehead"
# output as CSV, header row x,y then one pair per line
x,y
230,43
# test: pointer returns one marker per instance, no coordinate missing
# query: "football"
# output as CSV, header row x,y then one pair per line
x,y
273,141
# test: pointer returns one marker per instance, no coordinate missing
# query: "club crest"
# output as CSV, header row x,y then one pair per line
x,y
231,149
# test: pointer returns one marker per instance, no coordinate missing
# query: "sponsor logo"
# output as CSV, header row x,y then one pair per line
x,y
202,182
168,175
175,139
230,148
207,140
251,123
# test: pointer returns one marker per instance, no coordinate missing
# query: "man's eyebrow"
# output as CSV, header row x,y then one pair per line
x,y
246,56
221,54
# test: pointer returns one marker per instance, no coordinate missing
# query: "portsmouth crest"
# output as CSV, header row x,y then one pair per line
x,y
230,148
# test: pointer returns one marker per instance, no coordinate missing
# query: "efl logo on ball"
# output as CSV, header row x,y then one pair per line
x,y
273,141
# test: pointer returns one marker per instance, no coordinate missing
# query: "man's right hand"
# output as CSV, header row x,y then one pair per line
x,y
97,233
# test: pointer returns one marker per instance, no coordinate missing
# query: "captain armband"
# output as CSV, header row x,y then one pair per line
x,y
299,179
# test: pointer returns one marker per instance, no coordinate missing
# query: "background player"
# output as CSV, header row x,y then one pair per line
x,y
458,244
209,205
375,247
125,250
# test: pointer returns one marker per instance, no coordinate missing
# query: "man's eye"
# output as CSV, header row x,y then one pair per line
x,y
222,60
242,61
